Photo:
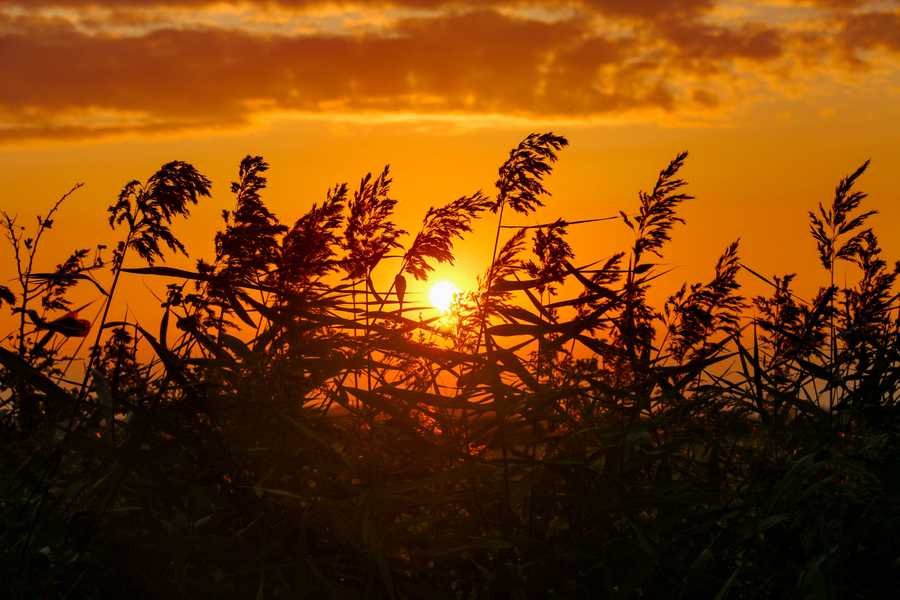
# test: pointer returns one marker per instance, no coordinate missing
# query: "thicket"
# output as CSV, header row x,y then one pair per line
x,y
298,434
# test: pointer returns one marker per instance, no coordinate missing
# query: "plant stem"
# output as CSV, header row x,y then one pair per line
x,y
94,350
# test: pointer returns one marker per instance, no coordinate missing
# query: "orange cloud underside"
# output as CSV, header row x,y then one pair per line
x,y
162,66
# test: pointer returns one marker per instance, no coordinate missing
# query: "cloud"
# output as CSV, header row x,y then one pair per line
x,y
711,42
68,75
472,62
218,71
873,30
837,4
630,7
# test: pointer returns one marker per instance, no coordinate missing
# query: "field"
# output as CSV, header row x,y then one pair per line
x,y
290,430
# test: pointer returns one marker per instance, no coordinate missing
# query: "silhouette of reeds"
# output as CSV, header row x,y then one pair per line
x,y
284,432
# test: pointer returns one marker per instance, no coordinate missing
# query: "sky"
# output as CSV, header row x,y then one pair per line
x,y
775,100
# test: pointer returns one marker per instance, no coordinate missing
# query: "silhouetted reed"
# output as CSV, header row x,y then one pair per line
x,y
284,431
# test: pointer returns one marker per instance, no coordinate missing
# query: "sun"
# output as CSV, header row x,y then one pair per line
x,y
442,295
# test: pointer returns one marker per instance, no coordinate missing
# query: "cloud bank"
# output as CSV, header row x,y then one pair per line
x,y
80,68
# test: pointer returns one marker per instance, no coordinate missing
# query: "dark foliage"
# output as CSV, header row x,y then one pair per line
x,y
652,227
281,434
704,310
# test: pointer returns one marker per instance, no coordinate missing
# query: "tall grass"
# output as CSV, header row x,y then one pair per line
x,y
293,436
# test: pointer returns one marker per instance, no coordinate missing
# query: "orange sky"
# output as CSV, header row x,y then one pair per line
x,y
775,100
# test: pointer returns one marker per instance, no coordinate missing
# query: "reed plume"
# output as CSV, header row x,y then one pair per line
x,y
309,249
553,252
838,233
248,248
439,228
520,182
370,234
704,310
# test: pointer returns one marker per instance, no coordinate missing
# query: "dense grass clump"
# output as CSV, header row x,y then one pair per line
x,y
297,435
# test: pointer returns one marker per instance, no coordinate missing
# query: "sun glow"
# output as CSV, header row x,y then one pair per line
x,y
442,295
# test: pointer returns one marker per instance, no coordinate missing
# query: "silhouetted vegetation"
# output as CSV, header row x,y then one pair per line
x,y
289,430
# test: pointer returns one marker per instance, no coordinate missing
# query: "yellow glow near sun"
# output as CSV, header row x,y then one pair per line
x,y
442,295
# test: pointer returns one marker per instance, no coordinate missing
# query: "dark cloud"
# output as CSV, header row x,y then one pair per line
x,y
473,62
201,71
705,98
838,4
612,5
701,41
872,30
71,78
644,9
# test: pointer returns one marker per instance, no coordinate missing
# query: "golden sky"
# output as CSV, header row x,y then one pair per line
x,y
775,100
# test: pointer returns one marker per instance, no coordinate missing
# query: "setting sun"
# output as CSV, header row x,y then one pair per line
x,y
442,295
